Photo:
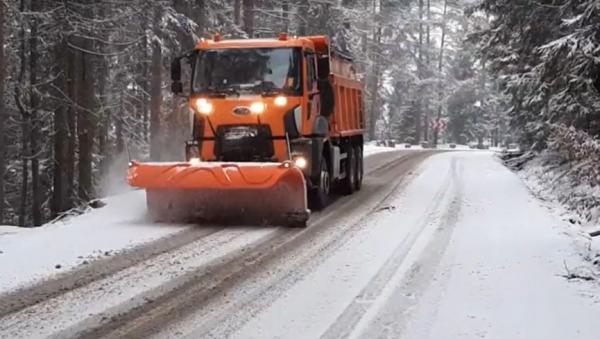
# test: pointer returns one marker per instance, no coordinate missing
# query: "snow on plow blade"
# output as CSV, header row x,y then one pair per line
x,y
240,193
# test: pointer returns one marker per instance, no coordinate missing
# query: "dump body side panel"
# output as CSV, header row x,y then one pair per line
x,y
348,118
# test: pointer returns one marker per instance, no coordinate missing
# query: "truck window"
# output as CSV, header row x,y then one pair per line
x,y
254,70
312,71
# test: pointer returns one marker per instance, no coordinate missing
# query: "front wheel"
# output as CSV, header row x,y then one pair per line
x,y
320,195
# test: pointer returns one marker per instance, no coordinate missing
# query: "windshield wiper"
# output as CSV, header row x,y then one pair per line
x,y
268,89
220,92
271,92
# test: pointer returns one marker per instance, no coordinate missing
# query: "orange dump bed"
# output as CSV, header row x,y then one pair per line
x,y
348,118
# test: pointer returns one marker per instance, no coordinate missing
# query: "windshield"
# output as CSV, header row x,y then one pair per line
x,y
252,70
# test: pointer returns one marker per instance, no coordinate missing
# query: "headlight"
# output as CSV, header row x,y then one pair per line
x,y
203,106
300,162
298,118
258,108
281,101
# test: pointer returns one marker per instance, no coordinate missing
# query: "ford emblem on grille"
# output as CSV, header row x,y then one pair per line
x,y
241,111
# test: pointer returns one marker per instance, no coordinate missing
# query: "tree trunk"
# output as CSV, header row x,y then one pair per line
x,y
200,16
85,125
61,136
428,53
145,76
249,17
303,17
420,125
3,117
285,11
104,110
119,127
25,125
156,89
436,131
237,11
36,193
86,114
376,74
427,72
73,68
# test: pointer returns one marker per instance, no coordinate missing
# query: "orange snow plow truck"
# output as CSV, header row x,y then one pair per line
x,y
277,128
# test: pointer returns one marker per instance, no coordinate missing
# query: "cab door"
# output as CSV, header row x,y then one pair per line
x,y
312,90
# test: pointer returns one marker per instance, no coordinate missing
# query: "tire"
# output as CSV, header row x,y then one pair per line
x,y
321,194
360,170
348,184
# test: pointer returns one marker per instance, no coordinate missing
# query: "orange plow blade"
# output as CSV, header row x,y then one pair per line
x,y
232,193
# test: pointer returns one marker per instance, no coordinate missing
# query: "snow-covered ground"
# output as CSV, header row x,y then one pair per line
x,y
461,249
31,254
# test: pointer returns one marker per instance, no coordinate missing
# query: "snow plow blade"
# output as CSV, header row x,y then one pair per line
x,y
231,193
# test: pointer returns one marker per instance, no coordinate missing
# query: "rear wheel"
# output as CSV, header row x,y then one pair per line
x,y
320,195
358,157
348,184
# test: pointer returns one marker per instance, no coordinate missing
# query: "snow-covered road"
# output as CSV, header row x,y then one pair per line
x,y
436,245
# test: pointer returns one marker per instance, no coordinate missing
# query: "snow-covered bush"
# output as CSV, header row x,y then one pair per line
x,y
581,151
566,172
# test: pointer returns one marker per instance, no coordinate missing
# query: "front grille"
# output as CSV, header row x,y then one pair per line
x,y
244,143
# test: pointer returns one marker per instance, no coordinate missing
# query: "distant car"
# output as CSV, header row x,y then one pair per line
x,y
452,146
425,144
407,145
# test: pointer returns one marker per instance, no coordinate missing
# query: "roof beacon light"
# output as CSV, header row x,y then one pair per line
x,y
217,37
283,36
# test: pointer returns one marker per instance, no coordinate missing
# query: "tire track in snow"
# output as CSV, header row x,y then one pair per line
x,y
97,269
344,325
128,289
385,315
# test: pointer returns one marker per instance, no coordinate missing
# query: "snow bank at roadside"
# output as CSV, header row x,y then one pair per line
x,y
28,255
550,178
370,148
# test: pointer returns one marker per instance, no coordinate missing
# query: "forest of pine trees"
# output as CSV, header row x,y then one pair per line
x,y
85,83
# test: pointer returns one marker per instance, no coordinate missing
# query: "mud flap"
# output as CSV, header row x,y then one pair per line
x,y
224,193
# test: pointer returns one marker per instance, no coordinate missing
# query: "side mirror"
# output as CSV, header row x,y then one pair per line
x,y
176,85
